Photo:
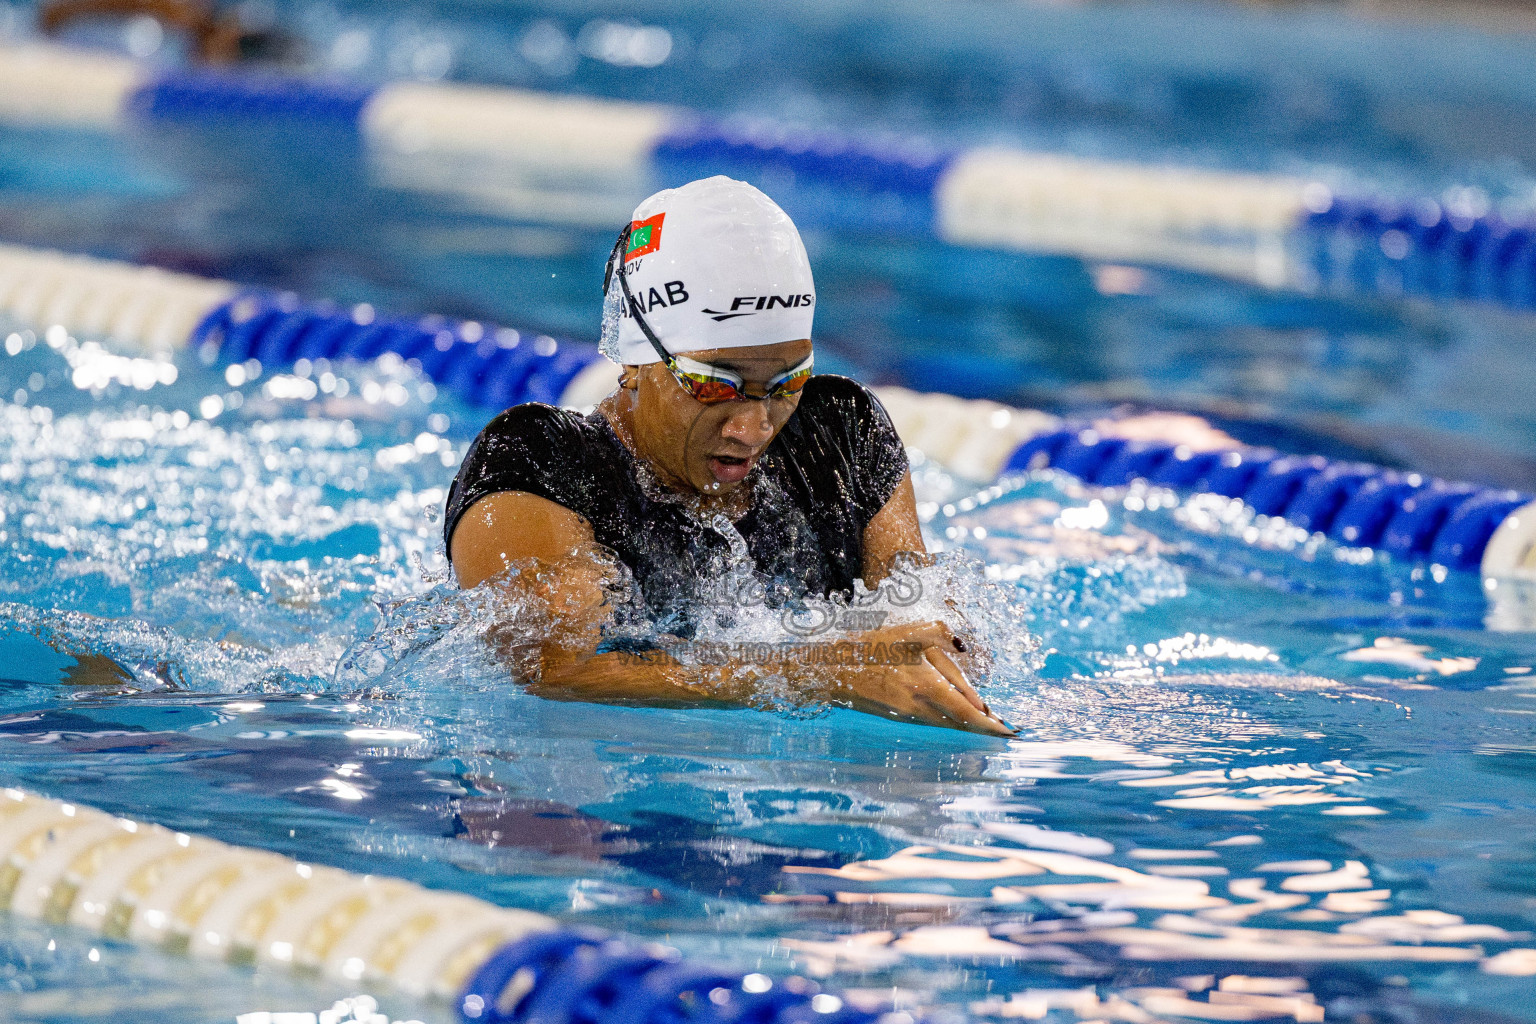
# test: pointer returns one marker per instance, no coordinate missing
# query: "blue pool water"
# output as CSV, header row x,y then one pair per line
x,y
243,626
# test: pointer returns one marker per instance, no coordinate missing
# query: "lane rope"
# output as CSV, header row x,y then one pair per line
x,y
1409,516
1279,231
65,863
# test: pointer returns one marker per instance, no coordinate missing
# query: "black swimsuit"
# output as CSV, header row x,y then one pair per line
x,y
834,465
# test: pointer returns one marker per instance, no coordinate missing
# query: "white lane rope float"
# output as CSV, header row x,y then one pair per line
x,y
66,864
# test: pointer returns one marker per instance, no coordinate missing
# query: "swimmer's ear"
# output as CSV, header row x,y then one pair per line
x,y
629,379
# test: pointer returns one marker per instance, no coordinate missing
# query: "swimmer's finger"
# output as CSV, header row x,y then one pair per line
x,y
957,703
933,634
949,709
919,693
977,717
991,725
936,633
949,670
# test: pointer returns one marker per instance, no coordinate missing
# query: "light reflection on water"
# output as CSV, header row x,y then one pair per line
x,y
1254,781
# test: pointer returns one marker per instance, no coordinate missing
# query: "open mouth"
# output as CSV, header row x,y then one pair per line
x,y
730,469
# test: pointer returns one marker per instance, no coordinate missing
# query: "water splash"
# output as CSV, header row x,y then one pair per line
x,y
608,339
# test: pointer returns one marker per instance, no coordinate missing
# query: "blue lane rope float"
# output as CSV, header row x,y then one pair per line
x,y
868,184
66,863
488,366
1421,248
1276,230
585,977
197,94
1408,516
1404,514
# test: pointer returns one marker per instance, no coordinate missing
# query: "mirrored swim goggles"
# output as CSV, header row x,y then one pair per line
x,y
709,385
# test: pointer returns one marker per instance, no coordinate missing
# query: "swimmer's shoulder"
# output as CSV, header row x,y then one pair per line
x,y
535,430
841,436
534,447
841,400
552,453
532,417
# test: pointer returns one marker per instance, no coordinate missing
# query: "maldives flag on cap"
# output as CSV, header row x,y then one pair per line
x,y
644,237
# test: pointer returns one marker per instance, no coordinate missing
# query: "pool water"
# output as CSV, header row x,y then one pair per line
x,y
1243,753
242,628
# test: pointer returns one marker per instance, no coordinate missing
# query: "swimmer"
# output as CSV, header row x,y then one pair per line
x,y
717,414
214,37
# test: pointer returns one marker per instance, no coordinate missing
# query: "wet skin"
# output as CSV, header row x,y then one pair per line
x,y
705,452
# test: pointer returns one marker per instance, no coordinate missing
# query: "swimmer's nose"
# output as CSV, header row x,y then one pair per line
x,y
748,424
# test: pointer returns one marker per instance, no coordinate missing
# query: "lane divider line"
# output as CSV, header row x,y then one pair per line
x,y
126,880
1275,230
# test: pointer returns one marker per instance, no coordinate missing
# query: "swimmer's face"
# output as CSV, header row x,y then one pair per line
x,y
712,448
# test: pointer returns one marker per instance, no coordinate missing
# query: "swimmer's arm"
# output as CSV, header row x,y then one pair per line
x,y
514,527
943,696
511,527
892,531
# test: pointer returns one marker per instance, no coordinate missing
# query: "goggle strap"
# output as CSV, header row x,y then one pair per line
x,y
616,262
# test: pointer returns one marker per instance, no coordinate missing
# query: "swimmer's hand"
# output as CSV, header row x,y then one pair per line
x,y
930,689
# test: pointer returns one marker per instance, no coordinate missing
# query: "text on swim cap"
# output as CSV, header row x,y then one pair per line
x,y
759,303
677,293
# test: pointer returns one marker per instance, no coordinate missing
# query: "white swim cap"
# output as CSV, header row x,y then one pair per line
x,y
713,264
